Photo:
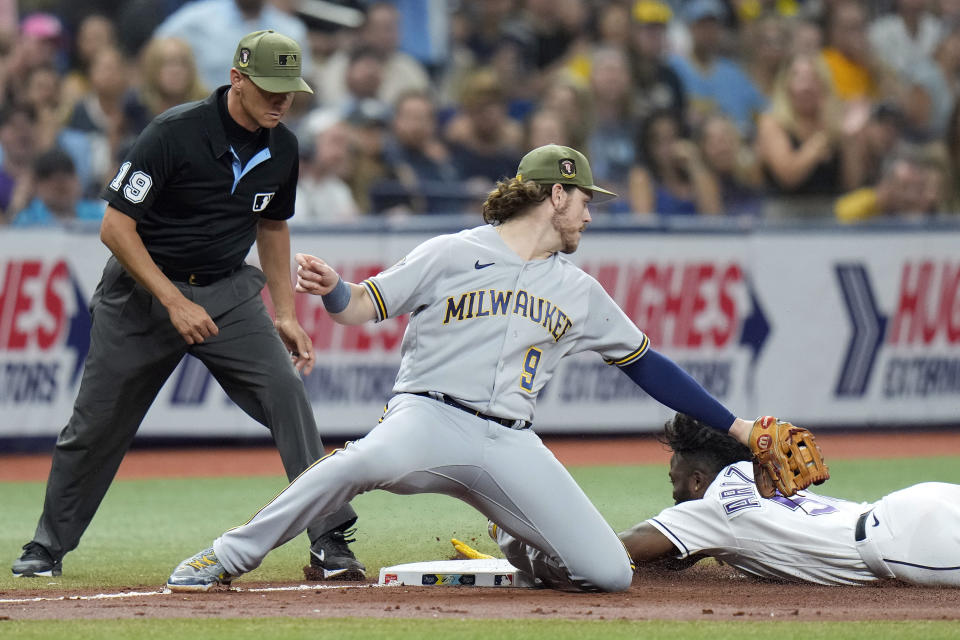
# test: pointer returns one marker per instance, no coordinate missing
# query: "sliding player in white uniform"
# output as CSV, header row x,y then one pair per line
x,y
492,311
912,534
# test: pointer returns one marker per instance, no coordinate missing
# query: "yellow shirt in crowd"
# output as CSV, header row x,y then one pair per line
x,y
851,81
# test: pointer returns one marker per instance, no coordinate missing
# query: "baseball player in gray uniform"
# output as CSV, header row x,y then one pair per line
x,y
912,534
492,309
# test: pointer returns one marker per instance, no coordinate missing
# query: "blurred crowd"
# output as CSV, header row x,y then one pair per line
x,y
844,109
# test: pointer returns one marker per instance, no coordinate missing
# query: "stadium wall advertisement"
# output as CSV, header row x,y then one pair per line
x,y
821,326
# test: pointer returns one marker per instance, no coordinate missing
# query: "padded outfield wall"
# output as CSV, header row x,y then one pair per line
x,y
823,325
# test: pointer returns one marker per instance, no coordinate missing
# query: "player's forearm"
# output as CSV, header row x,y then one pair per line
x,y
273,247
360,308
118,232
347,303
645,543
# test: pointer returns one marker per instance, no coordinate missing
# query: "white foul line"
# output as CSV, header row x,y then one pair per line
x,y
99,596
165,591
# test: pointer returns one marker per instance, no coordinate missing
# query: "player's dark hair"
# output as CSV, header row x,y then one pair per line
x,y
698,443
514,196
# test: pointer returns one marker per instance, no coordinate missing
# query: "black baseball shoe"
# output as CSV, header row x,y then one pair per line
x,y
332,559
36,561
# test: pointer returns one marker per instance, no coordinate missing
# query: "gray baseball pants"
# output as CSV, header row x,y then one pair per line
x,y
133,350
425,446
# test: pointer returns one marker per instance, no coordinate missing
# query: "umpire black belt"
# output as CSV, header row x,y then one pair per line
x,y
445,399
197,279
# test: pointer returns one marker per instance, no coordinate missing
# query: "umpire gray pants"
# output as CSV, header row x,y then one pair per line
x,y
133,350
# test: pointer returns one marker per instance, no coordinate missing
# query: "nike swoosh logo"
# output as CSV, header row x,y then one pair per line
x,y
876,522
477,265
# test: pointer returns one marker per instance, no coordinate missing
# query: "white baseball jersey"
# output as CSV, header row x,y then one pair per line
x,y
488,328
912,534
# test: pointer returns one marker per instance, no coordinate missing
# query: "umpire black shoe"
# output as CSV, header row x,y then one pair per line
x,y
36,561
332,559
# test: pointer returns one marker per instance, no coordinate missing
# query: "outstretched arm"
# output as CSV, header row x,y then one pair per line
x,y
317,277
647,546
645,543
790,455
670,385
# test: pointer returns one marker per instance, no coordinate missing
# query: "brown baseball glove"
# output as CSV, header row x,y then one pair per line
x,y
785,457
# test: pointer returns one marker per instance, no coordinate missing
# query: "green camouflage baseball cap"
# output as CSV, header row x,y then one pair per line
x,y
271,61
554,164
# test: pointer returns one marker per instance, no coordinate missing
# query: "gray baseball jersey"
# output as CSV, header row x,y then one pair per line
x,y
912,534
486,329
489,328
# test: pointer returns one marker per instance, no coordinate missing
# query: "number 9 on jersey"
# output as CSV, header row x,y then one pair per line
x,y
530,363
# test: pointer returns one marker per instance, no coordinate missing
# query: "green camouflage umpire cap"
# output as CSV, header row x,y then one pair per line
x,y
554,164
271,61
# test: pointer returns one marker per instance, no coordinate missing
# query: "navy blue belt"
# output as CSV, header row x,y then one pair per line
x,y
445,399
197,279
860,532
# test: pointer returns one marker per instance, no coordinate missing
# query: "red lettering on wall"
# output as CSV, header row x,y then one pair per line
x,y
22,303
8,293
928,307
646,302
684,305
731,279
608,275
54,306
950,302
32,311
315,321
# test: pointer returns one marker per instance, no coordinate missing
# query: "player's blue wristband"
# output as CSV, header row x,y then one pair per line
x,y
670,385
338,299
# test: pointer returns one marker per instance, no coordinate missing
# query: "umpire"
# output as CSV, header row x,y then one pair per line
x,y
203,181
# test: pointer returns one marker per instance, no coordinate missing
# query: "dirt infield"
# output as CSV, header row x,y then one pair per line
x,y
701,593
707,592
569,450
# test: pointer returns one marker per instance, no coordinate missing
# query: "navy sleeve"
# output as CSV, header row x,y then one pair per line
x,y
670,385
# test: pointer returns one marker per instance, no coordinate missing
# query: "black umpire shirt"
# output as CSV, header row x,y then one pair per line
x,y
196,198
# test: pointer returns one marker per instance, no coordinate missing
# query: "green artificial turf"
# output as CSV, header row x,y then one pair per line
x,y
403,629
